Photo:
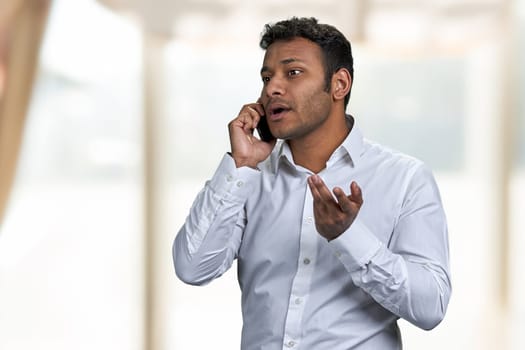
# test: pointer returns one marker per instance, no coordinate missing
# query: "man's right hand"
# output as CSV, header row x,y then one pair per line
x,y
246,149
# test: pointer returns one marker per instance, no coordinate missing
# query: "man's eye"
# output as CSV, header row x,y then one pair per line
x,y
265,79
294,72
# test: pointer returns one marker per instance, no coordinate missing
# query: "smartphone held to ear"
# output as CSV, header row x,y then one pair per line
x,y
264,130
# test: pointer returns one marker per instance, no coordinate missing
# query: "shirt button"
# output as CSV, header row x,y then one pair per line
x,y
306,261
240,183
298,301
338,254
229,178
309,220
290,344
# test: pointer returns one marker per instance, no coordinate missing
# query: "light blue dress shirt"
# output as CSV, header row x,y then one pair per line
x,y
300,291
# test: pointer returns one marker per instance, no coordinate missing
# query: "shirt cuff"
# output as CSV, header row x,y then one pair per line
x,y
356,246
230,181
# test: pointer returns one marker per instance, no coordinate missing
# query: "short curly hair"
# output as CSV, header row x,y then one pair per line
x,y
336,49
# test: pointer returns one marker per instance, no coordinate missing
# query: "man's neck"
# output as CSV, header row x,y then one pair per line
x,y
314,151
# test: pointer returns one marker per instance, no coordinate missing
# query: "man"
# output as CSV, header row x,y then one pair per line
x,y
318,268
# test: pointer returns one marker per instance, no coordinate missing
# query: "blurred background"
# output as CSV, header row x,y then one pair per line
x,y
113,113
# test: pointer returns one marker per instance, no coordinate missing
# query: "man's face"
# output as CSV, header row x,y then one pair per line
x,y
293,94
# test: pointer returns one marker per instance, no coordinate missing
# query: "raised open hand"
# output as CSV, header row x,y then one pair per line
x,y
334,216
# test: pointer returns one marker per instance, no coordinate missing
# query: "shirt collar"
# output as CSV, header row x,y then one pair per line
x,y
352,145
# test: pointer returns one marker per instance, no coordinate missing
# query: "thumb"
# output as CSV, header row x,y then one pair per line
x,y
356,194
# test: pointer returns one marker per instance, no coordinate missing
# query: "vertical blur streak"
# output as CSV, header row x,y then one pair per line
x,y
20,37
149,187
508,124
359,11
8,10
153,48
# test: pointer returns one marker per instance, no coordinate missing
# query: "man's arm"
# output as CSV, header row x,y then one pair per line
x,y
410,277
207,244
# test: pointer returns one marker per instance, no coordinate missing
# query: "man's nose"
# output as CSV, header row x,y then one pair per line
x,y
275,87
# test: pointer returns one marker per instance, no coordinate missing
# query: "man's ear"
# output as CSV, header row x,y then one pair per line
x,y
341,84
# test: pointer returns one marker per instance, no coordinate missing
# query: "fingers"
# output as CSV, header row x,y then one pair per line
x,y
356,194
250,115
246,149
258,107
320,191
241,128
349,203
343,201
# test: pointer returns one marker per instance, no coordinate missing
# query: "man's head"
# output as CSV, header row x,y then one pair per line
x,y
335,48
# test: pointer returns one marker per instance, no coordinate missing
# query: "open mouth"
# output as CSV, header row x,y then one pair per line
x,y
277,112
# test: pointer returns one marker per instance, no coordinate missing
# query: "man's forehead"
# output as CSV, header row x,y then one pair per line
x,y
293,50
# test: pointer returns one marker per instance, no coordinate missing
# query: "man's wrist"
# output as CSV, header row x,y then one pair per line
x,y
242,162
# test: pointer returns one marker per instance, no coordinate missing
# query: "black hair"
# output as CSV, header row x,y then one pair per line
x,y
336,49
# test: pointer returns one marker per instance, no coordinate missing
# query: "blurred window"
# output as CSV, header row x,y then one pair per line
x,y
70,248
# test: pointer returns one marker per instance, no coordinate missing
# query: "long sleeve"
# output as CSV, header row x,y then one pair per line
x,y
409,275
208,242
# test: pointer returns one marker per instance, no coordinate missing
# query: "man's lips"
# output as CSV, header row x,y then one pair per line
x,y
276,111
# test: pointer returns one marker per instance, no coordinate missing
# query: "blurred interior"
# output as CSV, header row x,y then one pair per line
x,y
113,114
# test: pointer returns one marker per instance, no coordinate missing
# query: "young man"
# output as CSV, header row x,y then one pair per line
x,y
318,268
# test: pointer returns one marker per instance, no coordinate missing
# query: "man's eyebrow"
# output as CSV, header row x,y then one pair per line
x,y
283,62
290,60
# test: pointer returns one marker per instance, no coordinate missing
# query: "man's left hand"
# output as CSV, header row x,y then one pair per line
x,y
333,216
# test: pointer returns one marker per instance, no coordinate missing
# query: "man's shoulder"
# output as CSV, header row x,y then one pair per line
x,y
378,154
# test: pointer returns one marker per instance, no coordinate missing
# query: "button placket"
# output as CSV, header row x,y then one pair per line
x,y
301,283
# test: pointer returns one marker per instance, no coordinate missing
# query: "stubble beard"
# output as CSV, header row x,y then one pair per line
x,y
310,116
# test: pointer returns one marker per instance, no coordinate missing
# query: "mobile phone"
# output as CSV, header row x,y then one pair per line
x,y
264,130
